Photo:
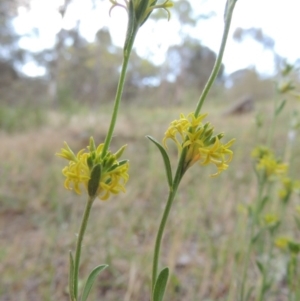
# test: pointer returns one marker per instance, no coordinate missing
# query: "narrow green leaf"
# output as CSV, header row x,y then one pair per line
x,y
145,19
91,279
256,237
141,9
260,267
297,220
262,204
160,285
71,277
165,158
294,247
280,108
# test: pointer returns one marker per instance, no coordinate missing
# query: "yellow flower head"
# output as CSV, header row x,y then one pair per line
x,y
270,220
282,242
286,243
100,175
267,163
271,166
288,187
201,146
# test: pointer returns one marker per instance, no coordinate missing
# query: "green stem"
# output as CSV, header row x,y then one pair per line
x,y
266,270
270,136
181,169
119,93
160,232
83,225
253,222
291,277
179,172
218,62
246,262
172,193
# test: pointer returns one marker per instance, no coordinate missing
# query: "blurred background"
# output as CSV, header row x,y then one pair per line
x,y
63,51
59,68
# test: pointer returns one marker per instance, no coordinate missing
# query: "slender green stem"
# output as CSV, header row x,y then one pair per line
x,y
267,269
160,232
83,225
246,261
218,62
172,194
253,222
180,169
119,93
292,265
270,136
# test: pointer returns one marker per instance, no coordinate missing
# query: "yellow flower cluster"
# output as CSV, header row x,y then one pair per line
x,y
267,163
100,175
201,145
270,219
282,242
288,186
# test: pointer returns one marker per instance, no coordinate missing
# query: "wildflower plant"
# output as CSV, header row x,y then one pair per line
x,y
101,173
267,213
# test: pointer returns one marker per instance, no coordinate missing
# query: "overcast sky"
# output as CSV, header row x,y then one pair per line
x,y
278,19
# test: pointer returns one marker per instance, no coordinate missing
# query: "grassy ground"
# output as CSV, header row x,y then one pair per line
x,y
39,219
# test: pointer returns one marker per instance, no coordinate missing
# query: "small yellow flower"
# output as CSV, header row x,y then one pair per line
x,y
270,220
100,176
272,166
190,133
267,163
282,242
285,86
286,243
296,95
288,187
218,154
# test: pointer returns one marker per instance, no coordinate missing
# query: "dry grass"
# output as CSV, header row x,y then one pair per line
x,y
39,218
